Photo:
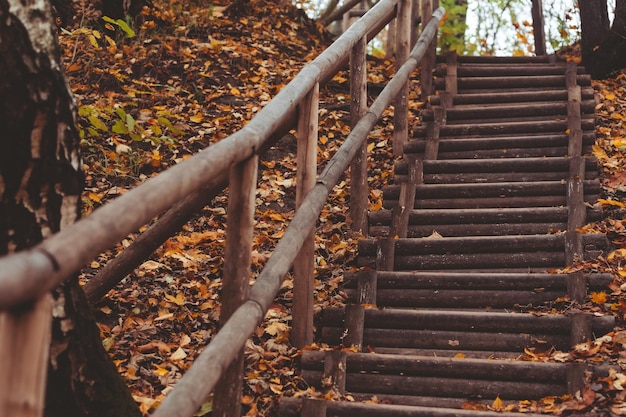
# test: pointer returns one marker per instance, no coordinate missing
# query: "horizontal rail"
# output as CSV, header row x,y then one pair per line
x,y
28,274
200,379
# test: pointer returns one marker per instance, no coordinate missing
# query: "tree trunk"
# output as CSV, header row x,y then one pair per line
x,y
40,188
602,49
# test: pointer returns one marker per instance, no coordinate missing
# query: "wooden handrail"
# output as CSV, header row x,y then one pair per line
x,y
25,275
203,375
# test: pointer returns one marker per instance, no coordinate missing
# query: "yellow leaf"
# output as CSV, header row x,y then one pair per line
x,y
161,371
497,404
618,252
598,297
93,41
459,356
275,328
197,118
599,153
178,300
611,202
235,92
370,147
609,96
95,197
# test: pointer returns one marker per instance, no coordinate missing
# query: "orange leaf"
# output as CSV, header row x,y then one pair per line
x,y
598,297
497,404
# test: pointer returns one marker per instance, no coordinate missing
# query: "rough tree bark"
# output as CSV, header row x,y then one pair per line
x,y
603,49
40,187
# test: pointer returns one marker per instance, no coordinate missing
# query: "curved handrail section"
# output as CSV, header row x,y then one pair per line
x,y
200,379
30,273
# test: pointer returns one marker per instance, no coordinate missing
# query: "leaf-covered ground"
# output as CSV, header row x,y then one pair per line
x,y
152,94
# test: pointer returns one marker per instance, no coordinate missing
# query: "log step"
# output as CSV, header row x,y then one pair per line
x,y
511,70
495,170
521,82
475,252
459,114
456,331
478,222
506,60
291,407
466,290
587,93
367,373
522,146
504,128
498,194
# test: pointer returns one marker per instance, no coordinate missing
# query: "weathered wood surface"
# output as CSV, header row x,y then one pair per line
x,y
237,274
201,378
492,97
500,174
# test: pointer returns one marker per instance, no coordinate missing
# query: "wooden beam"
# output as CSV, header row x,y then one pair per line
x,y
401,102
359,192
304,285
24,345
236,278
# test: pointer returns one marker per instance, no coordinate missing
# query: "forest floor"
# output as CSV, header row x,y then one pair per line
x,y
154,93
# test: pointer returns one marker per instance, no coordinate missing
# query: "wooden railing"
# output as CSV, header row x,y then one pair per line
x,y
185,188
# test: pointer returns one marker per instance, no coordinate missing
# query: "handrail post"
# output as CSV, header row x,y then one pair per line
x,y
358,168
236,277
428,63
401,104
538,28
25,334
415,18
303,267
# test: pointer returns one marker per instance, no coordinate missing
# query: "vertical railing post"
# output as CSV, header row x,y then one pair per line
x,y
24,349
415,18
236,278
303,267
401,104
428,62
358,168
538,28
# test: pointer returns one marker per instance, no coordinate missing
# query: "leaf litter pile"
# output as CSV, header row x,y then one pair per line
x,y
154,93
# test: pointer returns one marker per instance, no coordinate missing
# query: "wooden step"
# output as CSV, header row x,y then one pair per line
x,y
475,252
587,93
470,290
478,222
521,82
482,195
495,170
465,113
291,407
500,60
520,146
511,70
442,377
504,128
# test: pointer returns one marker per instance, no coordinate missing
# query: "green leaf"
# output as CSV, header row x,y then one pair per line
x,y
130,33
120,127
130,122
97,123
121,113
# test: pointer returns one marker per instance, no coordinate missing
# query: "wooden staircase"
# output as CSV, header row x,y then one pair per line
x,y
485,207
